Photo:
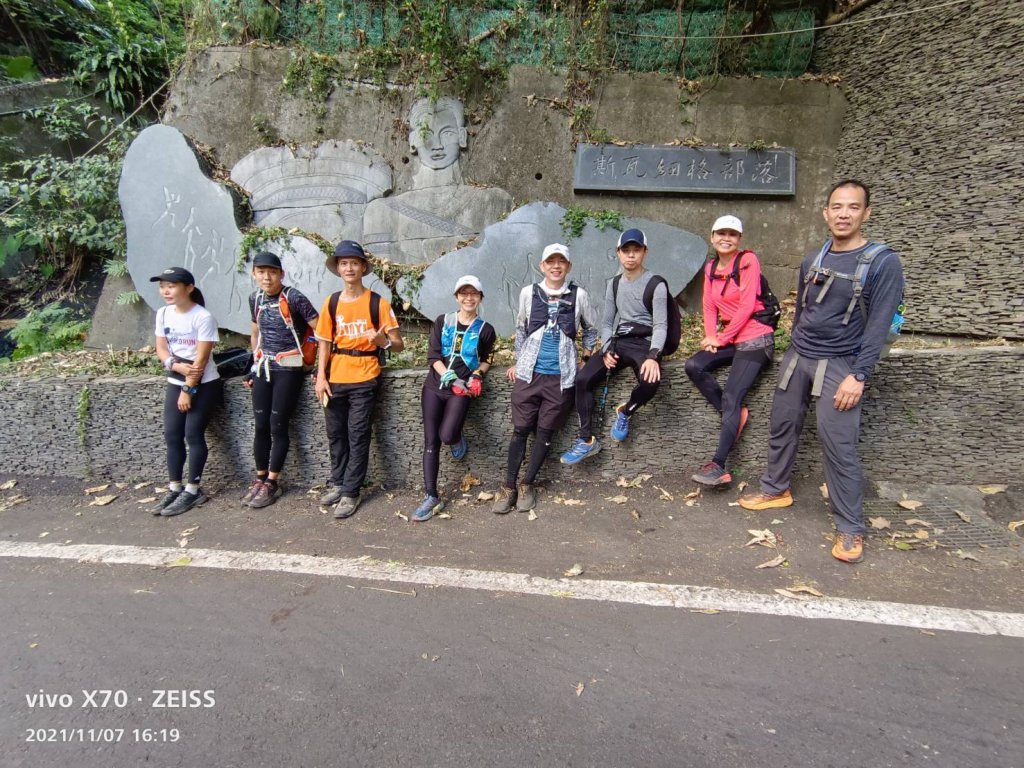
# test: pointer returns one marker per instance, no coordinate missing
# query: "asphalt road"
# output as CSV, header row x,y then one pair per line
x,y
294,670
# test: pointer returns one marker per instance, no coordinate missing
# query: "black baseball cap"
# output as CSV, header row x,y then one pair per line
x,y
174,275
267,259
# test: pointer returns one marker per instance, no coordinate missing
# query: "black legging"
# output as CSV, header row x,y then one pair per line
x,y
517,452
189,428
273,403
443,416
746,367
632,352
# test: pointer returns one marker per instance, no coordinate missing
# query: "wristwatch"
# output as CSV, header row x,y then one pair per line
x,y
860,377
190,390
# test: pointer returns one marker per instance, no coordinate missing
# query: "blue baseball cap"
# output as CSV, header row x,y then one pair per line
x,y
632,236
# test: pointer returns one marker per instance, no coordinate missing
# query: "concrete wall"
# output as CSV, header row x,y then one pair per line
x,y
935,416
934,126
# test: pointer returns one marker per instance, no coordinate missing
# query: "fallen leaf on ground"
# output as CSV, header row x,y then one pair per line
x,y
102,501
966,556
803,588
1015,525
774,562
765,538
921,534
776,521
879,523
963,516
576,570
916,521
140,486
992,488
791,594
468,481
121,486
692,494
33,645
709,611
926,632
635,514
910,504
731,503
183,542
6,504
189,531
8,485
620,499
181,562
579,689
824,490
44,534
145,500
97,488
444,516
532,516
665,495
573,502
741,486
902,545
404,517
484,496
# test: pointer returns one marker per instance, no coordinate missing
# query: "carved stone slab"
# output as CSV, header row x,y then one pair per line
x,y
700,170
507,257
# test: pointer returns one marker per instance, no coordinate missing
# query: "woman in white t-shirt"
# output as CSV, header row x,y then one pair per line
x,y
185,335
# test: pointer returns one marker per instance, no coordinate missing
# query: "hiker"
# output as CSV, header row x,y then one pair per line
x,y
838,338
732,336
282,319
634,333
461,345
185,335
551,314
354,327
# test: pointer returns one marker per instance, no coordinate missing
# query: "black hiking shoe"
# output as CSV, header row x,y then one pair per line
x,y
165,501
184,503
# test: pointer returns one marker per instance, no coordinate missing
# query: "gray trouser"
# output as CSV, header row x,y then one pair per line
x,y
837,430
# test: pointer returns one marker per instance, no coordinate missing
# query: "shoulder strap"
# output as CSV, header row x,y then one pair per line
x,y
649,289
615,291
332,307
860,279
375,309
736,266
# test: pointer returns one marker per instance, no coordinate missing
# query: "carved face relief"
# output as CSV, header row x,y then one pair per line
x,y
437,134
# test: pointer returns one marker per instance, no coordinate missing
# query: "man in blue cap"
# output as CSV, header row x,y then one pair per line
x,y
632,335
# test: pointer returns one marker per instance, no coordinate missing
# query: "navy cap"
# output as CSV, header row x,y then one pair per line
x,y
174,275
267,259
633,236
348,249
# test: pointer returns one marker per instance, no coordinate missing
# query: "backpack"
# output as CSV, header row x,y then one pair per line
x,y
859,279
772,311
673,320
332,307
305,348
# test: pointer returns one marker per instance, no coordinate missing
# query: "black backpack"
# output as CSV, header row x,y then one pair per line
x,y
772,311
674,321
381,353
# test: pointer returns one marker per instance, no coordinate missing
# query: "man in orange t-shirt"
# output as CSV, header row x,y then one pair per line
x,y
348,372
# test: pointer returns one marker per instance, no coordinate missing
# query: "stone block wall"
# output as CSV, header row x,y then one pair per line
x,y
933,416
933,126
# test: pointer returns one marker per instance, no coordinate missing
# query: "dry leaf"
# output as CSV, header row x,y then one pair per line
x,y
468,481
181,562
691,502
879,523
775,562
964,516
620,499
709,611
791,594
531,516
579,689
140,486
916,521
731,503
741,486
966,556
102,501
8,485
484,496
1015,525
635,514
803,588
33,645
988,489
765,538
776,521
910,504
573,502
145,500
189,531
902,545
182,542
404,517
576,570
824,491
444,515
665,495
121,486
97,488
692,494
920,534
44,534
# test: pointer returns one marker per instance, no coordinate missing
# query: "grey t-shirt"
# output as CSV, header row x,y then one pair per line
x,y
629,307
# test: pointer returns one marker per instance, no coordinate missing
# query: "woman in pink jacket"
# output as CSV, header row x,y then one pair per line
x,y
732,336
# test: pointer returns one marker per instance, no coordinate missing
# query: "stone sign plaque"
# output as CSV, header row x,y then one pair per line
x,y
688,170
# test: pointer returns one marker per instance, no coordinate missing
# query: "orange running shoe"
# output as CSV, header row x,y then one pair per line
x,y
762,500
849,547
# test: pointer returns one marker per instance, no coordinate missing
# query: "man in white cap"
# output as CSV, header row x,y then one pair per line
x,y
552,313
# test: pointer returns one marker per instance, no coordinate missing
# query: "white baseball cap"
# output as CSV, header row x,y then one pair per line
x,y
471,280
728,222
554,248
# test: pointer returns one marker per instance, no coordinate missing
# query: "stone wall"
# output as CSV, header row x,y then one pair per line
x,y
934,128
932,415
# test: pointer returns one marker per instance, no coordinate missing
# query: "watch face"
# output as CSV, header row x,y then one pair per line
x,y
859,376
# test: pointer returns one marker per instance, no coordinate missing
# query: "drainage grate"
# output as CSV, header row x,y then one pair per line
x,y
956,532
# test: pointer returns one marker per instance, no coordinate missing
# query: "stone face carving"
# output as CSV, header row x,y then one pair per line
x,y
177,216
322,189
507,257
440,211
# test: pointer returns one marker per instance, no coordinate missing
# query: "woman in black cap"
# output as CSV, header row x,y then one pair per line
x,y
283,320
185,335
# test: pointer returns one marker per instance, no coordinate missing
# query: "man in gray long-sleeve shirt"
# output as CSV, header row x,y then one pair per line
x,y
633,336
837,339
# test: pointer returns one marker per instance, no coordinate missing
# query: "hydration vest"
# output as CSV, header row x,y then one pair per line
x,y
565,318
463,344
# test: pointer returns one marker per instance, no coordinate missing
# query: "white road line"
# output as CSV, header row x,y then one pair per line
x,y
636,593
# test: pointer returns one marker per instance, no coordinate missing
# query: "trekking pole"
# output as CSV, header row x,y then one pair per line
x,y
603,404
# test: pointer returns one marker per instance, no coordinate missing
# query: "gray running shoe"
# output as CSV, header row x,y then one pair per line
x,y
347,507
253,490
504,501
265,496
184,503
527,498
331,496
164,502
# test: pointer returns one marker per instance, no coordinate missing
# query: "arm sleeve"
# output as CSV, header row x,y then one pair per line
x,y
252,307
306,310
206,329
486,346
608,317
885,284
586,319
804,266
158,324
388,321
659,315
708,304
434,345
325,323
750,284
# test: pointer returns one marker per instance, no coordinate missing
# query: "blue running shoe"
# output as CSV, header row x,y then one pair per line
x,y
580,450
430,506
620,429
460,449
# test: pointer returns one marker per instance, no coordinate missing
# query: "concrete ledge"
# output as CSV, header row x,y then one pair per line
x,y
937,415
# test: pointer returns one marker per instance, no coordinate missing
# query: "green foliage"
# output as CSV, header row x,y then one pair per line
x,y
21,69
115,267
576,218
50,329
127,298
255,238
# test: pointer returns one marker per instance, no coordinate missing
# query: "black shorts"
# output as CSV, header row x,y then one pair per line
x,y
542,402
